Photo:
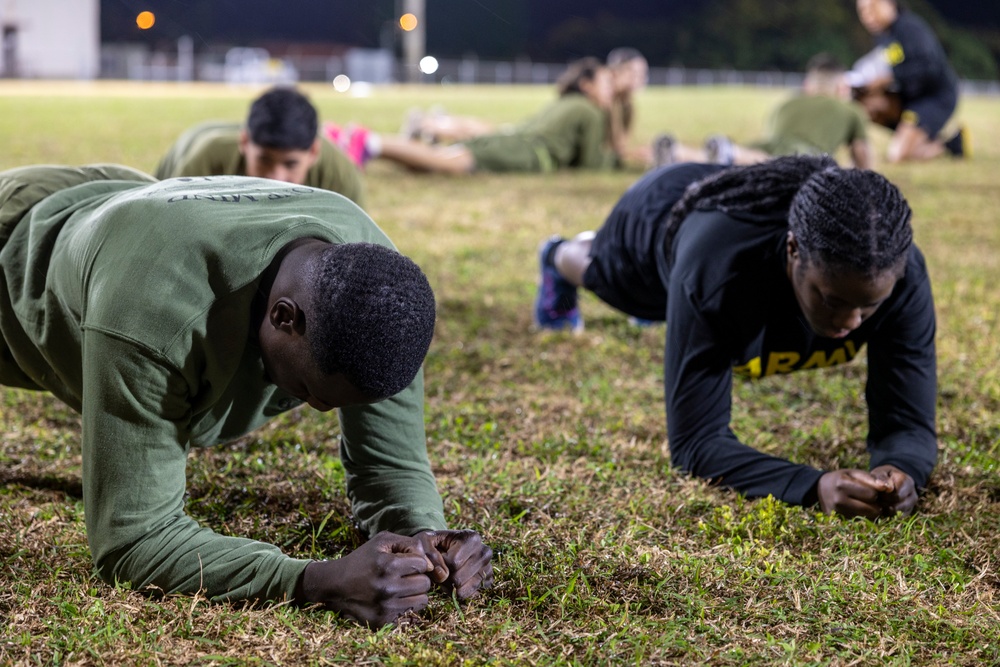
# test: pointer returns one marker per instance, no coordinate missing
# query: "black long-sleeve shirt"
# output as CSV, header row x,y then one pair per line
x,y
731,308
919,65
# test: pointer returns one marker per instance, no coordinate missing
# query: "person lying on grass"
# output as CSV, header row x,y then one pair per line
x,y
817,121
186,313
280,140
570,133
629,72
792,264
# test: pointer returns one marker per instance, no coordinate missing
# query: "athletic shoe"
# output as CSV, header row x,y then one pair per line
x,y
719,150
960,145
352,140
412,124
556,304
664,150
334,134
357,145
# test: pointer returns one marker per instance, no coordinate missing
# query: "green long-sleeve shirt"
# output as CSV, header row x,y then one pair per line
x,y
570,133
213,149
131,302
574,130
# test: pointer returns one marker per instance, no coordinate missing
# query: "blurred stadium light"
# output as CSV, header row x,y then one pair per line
x,y
428,64
145,20
408,22
414,36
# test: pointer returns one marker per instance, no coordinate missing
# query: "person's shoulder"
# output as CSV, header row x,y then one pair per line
x,y
579,103
909,23
212,128
916,266
211,134
331,157
335,171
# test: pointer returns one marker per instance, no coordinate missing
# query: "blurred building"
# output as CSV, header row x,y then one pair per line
x,y
50,39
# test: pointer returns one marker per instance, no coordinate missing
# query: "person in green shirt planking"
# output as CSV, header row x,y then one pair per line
x,y
279,141
186,313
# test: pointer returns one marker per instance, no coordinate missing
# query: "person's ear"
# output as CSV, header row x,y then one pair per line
x,y
286,316
792,245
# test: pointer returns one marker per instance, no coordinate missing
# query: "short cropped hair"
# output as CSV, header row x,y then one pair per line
x,y
824,63
373,312
284,119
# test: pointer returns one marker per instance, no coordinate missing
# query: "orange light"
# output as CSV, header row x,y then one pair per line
x,y
407,22
145,20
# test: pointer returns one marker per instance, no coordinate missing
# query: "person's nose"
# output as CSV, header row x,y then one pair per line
x,y
848,319
277,173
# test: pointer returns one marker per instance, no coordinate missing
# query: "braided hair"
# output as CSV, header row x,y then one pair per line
x,y
853,219
842,218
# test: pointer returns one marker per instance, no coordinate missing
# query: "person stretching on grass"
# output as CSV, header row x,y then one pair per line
x,y
186,313
279,141
792,264
629,74
568,134
818,121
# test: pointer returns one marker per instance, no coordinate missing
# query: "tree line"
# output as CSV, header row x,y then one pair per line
x,y
737,34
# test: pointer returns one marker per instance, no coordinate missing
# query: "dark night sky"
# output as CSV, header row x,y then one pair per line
x,y
357,22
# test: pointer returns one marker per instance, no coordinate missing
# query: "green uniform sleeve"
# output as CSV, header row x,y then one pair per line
x,y
389,478
135,443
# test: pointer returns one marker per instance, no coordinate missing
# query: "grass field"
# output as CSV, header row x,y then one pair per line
x,y
553,446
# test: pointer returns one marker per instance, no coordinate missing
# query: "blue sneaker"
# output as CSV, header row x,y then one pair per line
x,y
556,304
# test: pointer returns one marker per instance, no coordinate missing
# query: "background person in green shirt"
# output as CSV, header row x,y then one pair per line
x,y
570,133
629,75
279,141
186,313
816,122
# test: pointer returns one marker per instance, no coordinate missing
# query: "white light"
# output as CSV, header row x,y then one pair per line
x,y
361,89
428,64
341,83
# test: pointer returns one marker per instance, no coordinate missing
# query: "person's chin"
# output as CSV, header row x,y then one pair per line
x,y
841,333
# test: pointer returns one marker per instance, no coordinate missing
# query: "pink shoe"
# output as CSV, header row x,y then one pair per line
x,y
357,145
334,134
352,140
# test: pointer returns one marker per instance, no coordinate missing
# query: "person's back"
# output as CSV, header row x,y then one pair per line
x,y
573,129
918,60
795,127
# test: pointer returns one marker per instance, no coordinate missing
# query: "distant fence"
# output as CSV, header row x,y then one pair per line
x,y
375,66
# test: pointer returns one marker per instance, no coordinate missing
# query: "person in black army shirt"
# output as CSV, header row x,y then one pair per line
x,y
792,264
907,84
